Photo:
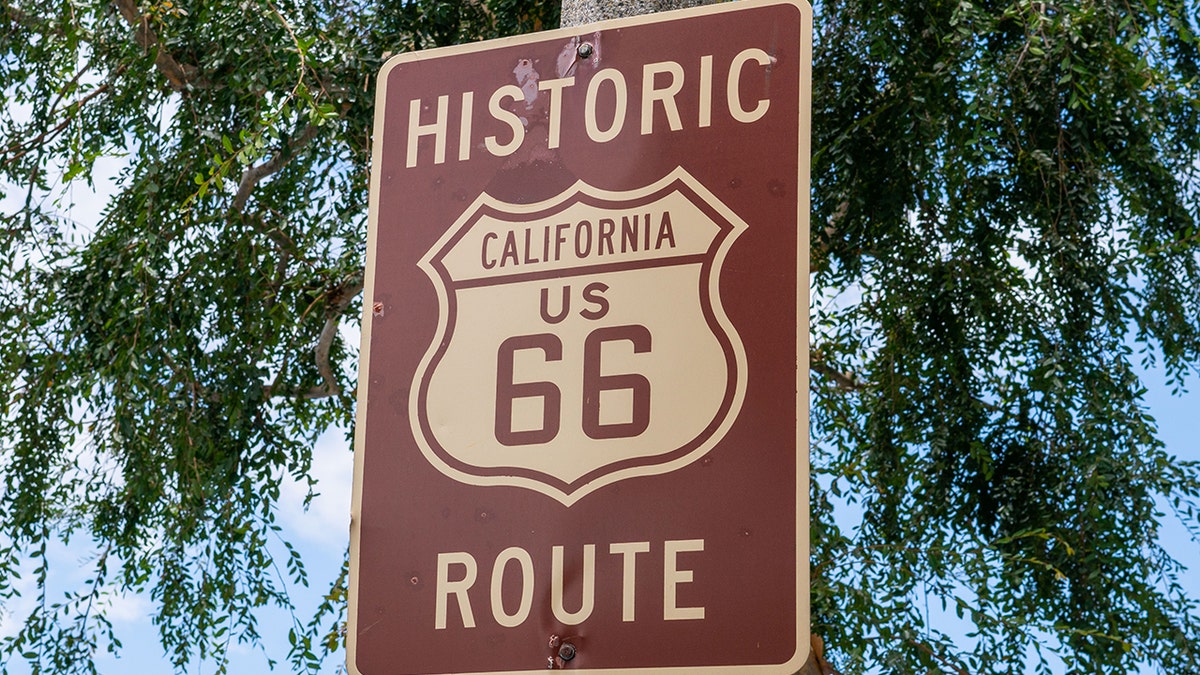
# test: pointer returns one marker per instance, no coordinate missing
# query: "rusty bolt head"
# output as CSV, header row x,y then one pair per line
x,y
566,652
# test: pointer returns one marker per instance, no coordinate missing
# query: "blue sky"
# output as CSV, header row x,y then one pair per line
x,y
1179,427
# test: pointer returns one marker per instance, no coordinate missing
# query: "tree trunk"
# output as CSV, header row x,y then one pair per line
x,y
577,12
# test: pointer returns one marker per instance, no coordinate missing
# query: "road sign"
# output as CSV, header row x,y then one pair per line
x,y
582,431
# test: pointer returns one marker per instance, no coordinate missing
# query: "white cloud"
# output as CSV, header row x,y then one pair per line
x,y
14,611
126,608
327,519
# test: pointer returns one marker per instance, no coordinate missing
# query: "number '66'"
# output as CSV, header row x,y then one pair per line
x,y
593,384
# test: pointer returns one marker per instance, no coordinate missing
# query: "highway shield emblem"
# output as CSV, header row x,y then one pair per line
x,y
581,340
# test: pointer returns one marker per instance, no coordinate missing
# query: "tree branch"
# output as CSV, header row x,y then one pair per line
x,y
194,388
816,663
275,233
845,381
818,254
179,75
338,300
253,175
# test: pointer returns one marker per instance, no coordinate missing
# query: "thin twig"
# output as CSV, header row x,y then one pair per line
x,y
24,147
944,660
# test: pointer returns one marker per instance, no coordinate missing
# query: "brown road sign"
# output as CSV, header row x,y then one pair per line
x,y
582,432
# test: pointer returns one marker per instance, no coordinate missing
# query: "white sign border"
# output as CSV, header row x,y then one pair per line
x,y
803,605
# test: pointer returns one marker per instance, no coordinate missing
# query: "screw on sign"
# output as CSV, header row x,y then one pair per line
x,y
564,650
582,433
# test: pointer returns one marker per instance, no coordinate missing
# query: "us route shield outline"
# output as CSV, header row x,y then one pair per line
x,y
513,270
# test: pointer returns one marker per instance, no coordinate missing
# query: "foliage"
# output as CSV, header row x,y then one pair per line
x,y
1006,204
1006,199
164,374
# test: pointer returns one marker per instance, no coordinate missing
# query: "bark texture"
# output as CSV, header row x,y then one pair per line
x,y
578,12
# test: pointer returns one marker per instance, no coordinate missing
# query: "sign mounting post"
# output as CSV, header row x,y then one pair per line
x,y
582,436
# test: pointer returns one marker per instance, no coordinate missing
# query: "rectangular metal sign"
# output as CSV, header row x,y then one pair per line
x,y
582,417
